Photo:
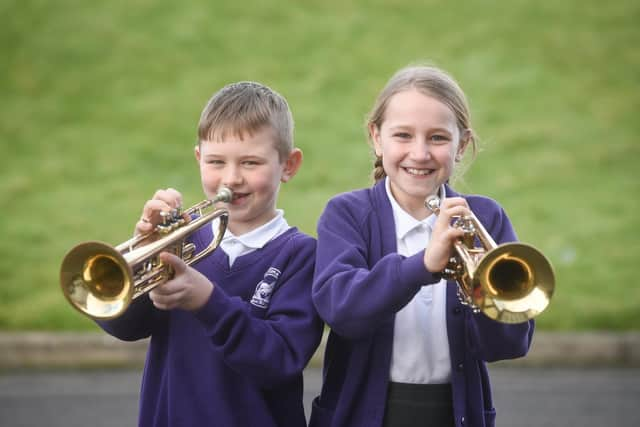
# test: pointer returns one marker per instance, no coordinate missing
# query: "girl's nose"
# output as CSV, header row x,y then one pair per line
x,y
420,149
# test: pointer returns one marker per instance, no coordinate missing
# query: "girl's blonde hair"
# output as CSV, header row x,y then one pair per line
x,y
432,82
247,107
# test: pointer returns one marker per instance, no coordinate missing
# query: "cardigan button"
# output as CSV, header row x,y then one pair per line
x,y
462,420
457,310
460,366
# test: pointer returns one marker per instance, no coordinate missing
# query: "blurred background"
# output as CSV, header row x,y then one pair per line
x,y
100,102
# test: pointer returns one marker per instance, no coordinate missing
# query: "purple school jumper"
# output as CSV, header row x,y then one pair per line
x,y
237,361
361,282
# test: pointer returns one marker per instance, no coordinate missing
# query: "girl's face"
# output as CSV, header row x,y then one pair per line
x,y
419,142
251,168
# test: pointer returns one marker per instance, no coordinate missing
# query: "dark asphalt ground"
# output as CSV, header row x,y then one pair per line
x,y
524,397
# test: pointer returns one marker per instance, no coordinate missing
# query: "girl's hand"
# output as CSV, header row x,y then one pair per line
x,y
188,290
440,246
162,201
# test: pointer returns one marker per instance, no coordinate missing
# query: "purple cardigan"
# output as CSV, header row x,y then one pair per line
x,y
361,282
237,361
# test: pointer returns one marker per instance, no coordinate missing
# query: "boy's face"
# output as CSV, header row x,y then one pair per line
x,y
251,168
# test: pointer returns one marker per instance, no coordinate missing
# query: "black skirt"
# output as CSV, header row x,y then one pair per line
x,y
419,405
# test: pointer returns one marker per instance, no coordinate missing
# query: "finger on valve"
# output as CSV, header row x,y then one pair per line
x,y
170,196
150,218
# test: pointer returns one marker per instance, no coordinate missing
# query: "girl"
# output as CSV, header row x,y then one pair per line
x,y
403,350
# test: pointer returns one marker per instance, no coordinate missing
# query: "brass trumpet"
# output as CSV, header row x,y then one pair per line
x,y
100,280
510,283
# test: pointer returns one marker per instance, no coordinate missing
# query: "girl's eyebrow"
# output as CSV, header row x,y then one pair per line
x,y
439,129
400,127
406,127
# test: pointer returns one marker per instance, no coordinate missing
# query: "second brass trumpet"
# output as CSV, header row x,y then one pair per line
x,y
510,283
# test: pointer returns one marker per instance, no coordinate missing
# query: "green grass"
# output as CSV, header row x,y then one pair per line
x,y
100,102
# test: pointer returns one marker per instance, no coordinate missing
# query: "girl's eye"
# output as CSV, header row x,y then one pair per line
x,y
215,162
402,135
439,138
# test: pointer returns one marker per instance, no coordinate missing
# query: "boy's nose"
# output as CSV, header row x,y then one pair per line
x,y
232,176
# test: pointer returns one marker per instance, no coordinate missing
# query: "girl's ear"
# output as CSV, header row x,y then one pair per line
x,y
196,151
374,135
291,165
465,137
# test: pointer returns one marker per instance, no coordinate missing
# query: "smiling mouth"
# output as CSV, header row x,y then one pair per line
x,y
239,197
419,172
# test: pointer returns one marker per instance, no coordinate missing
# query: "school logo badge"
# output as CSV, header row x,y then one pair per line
x,y
262,295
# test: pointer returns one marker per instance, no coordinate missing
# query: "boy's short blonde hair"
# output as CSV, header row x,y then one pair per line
x,y
247,107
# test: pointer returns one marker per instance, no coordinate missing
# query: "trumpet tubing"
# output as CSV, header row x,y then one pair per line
x,y
101,280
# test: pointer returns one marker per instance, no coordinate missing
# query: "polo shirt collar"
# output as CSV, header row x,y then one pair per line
x,y
257,238
404,222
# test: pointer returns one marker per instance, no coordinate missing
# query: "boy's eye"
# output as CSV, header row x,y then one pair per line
x,y
214,162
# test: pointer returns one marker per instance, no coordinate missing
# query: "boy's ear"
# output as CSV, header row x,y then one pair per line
x,y
196,151
291,165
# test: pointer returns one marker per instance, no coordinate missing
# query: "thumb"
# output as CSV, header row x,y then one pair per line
x,y
173,261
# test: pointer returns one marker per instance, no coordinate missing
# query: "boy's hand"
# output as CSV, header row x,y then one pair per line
x,y
162,201
440,246
188,290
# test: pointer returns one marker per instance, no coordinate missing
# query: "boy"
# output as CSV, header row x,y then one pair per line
x,y
231,335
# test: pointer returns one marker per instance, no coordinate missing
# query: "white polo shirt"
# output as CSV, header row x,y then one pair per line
x,y
235,246
420,344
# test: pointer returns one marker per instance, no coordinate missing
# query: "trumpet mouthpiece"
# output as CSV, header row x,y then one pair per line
x,y
224,195
433,203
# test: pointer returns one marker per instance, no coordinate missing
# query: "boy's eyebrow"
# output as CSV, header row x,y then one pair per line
x,y
241,157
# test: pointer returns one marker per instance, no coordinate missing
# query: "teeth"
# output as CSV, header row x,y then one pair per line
x,y
419,171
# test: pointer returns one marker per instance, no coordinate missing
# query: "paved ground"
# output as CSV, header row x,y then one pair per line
x,y
73,350
524,397
587,379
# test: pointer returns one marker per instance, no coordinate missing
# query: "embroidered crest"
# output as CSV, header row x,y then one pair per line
x,y
262,295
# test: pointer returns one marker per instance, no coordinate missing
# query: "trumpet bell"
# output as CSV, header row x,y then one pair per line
x,y
512,283
97,280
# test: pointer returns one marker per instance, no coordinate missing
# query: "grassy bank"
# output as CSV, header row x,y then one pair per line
x,y
100,104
